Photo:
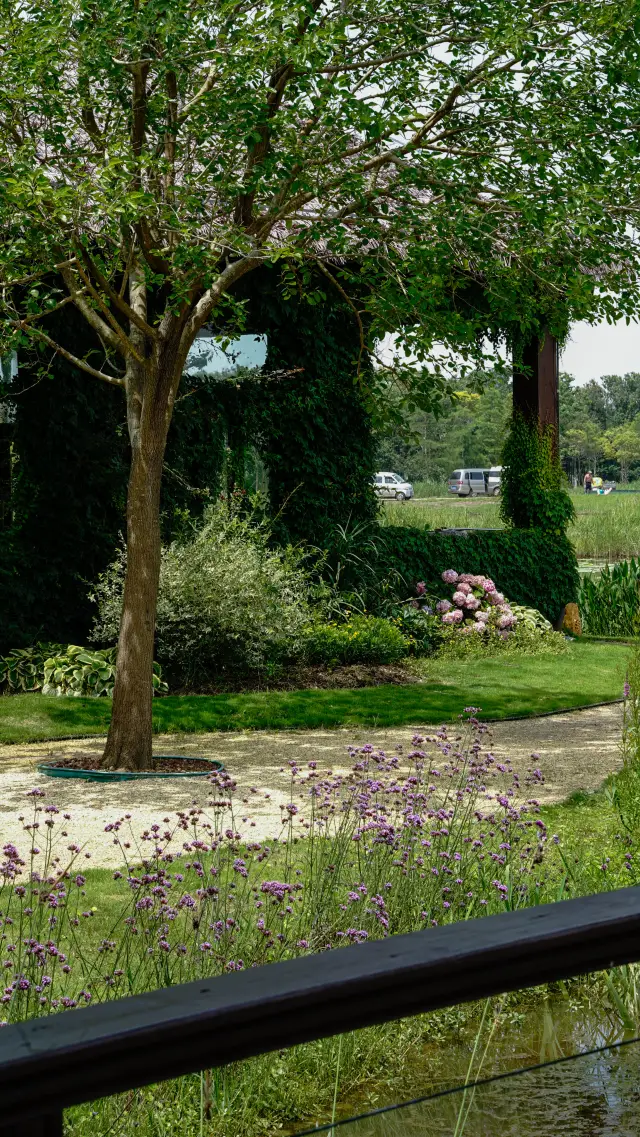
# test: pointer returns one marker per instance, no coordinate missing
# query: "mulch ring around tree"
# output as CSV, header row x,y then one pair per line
x,y
161,764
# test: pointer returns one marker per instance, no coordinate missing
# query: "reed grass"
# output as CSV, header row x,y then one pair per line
x,y
606,528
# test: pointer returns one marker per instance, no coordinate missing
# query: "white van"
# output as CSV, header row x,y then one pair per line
x,y
466,482
391,485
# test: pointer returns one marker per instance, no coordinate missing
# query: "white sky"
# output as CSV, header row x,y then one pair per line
x,y
601,349
591,351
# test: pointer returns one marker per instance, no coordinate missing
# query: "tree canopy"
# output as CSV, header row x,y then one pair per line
x,y
451,168
435,146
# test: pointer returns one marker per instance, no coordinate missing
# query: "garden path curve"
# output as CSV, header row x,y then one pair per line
x,y
575,750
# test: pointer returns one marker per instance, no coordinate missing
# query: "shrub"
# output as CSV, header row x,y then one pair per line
x,y
523,640
610,602
533,494
227,601
533,568
363,639
421,629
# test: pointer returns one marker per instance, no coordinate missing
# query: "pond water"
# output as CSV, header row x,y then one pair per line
x,y
592,1095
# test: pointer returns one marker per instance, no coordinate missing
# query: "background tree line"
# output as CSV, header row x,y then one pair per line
x,y
599,429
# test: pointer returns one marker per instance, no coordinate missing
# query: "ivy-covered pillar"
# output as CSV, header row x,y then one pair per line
x,y
535,383
313,426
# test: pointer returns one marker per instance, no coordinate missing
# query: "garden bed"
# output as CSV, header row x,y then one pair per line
x,y
307,678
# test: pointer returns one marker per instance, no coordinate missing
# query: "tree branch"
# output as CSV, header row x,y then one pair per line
x,y
91,316
126,344
81,363
363,347
117,299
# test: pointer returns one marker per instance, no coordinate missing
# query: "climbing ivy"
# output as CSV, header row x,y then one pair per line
x,y
306,421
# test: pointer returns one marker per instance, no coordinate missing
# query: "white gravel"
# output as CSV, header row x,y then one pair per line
x,y
576,751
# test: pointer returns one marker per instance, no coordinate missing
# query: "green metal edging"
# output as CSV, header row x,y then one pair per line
x,y
53,771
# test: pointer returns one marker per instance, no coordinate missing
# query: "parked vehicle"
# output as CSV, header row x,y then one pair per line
x,y
466,482
390,485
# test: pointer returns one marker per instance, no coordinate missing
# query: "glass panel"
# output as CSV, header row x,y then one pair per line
x,y
456,476
585,1095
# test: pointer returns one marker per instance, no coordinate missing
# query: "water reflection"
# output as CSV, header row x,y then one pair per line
x,y
593,1095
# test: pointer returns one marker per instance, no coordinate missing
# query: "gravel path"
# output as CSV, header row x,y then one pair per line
x,y
576,751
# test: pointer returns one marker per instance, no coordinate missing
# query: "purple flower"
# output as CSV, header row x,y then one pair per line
x,y
443,606
459,598
488,585
449,576
626,690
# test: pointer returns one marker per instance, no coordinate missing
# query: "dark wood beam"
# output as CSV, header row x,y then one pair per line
x,y
50,1063
535,383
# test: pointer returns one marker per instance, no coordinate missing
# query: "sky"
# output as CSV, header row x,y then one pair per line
x,y
601,349
591,351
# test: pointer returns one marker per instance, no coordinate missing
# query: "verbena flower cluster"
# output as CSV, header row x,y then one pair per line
x,y
476,605
396,843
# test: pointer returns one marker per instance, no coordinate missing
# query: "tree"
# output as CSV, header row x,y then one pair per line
x,y
623,444
155,152
468,430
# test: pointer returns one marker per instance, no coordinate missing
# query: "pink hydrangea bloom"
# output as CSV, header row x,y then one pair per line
x,y
480,627
488,585
466,588
448,617
421,588
472,602
476,581
482,616
459,598
457,615
505,621
443,606
450,576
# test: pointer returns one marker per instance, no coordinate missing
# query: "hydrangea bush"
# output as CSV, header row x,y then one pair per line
x,y
476,605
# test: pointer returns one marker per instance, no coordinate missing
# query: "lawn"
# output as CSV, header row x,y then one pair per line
x,y
605,527
587,673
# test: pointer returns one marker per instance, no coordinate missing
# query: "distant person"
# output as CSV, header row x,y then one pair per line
x,y
588,482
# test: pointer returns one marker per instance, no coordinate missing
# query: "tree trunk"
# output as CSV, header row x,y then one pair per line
x,y
130,733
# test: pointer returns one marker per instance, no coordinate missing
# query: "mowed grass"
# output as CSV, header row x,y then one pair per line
x,y
587,673
605,527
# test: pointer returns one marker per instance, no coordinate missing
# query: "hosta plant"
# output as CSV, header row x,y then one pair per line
x,y
80,671
22,670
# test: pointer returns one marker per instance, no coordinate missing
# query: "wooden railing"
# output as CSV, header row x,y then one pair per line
x,y
50,1063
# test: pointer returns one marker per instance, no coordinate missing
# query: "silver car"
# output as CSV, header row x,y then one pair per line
x,y
390,485
466,482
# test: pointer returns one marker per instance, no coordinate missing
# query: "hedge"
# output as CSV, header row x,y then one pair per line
x,y
531,567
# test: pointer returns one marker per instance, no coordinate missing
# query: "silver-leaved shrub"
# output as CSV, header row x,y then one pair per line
x,y
228,601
